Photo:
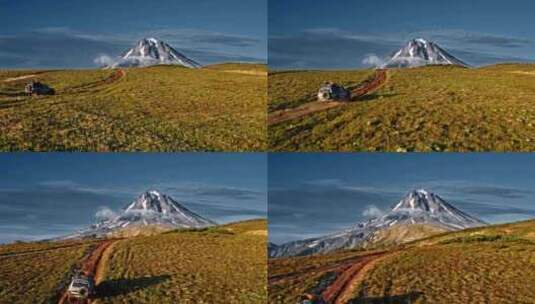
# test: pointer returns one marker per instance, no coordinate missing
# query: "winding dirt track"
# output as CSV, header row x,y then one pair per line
x,y
341,290
115,76
361,90
89,267
341,266
349,273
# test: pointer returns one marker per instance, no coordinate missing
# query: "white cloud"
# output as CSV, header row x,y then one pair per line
x,y
373,60
372,211
104,60
105,213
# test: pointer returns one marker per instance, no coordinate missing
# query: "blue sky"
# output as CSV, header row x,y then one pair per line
x,y
342,33
49,194
72,33
316,194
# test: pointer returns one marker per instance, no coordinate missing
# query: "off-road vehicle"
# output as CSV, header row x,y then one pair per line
x,y
331,91
81,287
37,88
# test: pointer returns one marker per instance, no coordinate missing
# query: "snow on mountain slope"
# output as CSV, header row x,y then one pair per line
x,y
152,210
419,52
151,51
424,210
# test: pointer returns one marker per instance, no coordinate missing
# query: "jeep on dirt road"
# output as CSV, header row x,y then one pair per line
x,y
37,88
81,287
332,91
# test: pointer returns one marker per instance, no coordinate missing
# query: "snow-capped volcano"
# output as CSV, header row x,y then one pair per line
x,y
423,206
420,208
151,210
151,51
419,52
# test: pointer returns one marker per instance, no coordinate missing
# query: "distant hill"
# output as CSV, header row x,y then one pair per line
x,y
433,108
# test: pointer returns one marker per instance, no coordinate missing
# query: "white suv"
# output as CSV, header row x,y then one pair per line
x,y
81,287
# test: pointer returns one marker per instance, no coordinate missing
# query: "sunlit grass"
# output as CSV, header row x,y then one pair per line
x,y
164,108
214,265
422,109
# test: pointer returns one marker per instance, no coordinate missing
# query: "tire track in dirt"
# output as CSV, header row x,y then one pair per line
x,y
90,267
342,289
340,266
115,76
27,76
365,88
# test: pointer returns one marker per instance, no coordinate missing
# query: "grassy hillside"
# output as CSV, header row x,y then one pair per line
x,y
225,264
399,234
216,265
35,272
163,108
494,264
433,108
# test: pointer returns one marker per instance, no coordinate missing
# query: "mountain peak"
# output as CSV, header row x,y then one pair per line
x,y
421,191
154,201
152,51
419,52
151,39
419,41
152,193
422,200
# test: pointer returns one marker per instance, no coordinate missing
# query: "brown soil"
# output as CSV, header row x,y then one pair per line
x,y
341,290
339,267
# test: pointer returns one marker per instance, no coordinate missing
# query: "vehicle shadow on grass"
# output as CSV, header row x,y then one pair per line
x,y
111,288
408,298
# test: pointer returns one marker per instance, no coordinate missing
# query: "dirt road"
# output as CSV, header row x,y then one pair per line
x,y
89,267
341,290
340,267
338,281
359,91
115,76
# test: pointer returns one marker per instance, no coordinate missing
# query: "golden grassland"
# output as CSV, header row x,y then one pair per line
x,y
225,264
259,69
434,108
34,272
494,264
161,108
